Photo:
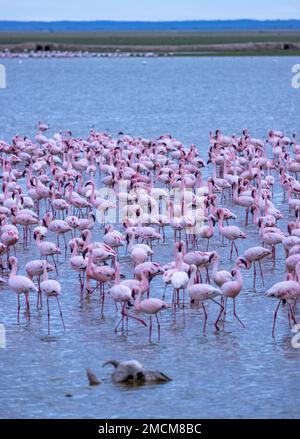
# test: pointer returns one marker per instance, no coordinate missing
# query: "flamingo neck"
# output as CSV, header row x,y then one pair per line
x,y
214,169
87,239
255,215
180,261
239,278
45,273
215,267
220,223
138,298
117,273
89,265
144,282
266,206
192,278
14,269
92,197
131,241
75,247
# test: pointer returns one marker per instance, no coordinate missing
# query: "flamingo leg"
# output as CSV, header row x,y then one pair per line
x,y
235,314
55,264
150,329
27,304
60,313
289,316
135,318
158,326
292,314
246,217
207,280
275,317
122,317
220,313
261,273
236,249
225,308
273,255
39,303
207,244
174,298
165,289
254,274
205,318
19,307
118,324
103,299
231,250
66,247
48,313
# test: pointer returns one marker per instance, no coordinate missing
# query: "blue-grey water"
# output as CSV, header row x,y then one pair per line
x,y
237,373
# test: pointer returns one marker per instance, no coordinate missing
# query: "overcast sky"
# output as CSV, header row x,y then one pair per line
x,y
147,9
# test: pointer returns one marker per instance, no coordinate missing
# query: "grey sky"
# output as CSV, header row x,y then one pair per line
x,y
147,9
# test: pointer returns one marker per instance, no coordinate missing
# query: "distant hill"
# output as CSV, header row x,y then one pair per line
x,y
203,25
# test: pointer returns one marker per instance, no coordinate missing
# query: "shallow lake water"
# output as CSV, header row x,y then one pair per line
x,y
234,373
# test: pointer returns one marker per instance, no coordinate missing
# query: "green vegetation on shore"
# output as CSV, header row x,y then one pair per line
x,y
179,43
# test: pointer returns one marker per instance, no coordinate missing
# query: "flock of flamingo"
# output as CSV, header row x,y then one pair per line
x,y
51,201
46,54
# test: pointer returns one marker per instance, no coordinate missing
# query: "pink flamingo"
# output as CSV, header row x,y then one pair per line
x,y
33,269
229,232
286,291
9,238
51,288
150,307
232,288
20,285
122,293
256,254
222,276
207,231
47,248
58,226
201,293
101,274
78,262
179,279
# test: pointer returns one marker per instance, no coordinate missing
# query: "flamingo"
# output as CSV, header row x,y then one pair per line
x,y
47,248
51,288
122,293
230,232
285,291
219,277
20,285
207,232
101,274
256,254
179,279
35,268
112,237
58,226
78,262
232,288
149,307
201,293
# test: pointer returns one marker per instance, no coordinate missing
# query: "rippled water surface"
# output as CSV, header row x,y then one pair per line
x,y
235,373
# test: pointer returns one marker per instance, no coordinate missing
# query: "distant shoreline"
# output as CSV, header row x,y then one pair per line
x,y
273,43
